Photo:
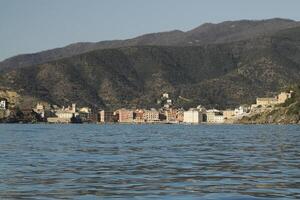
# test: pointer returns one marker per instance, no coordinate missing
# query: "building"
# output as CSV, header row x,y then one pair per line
x,y
40,109
171,115
283,96
106,116
151,115
192,116
214,116
125,116
65,115
3,104
139,116
165,95
266,101
180,115
229,114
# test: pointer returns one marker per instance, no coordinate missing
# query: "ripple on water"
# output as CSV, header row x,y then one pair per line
x,y
149,162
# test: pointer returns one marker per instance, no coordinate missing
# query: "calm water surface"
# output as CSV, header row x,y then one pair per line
x,y
149,162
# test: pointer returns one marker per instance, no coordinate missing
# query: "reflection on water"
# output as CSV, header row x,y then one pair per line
x,y
149,162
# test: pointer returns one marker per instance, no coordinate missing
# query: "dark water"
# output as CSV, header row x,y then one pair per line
x,y
149,162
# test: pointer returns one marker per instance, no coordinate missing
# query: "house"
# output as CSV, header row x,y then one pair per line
x,y
3,104
165,95
192,116
125,115
214,116
40,109
229,114
171,115
65,115
106,116
180,115
139,116
151,115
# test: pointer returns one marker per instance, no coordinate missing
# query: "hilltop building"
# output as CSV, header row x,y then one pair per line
x,y
271,101
3,104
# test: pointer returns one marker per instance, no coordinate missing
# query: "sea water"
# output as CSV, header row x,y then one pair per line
x,y
241,162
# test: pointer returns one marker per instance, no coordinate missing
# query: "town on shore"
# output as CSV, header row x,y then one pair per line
x,y
168,114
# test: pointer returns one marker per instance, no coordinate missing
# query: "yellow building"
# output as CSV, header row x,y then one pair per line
x,y
283,96
229,114
266,101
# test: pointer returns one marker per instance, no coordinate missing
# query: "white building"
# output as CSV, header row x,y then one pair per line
x,y
3,104
192,116
214,116
165,95
151,115
64,115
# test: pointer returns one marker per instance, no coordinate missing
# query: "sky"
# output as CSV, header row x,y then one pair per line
x,y
28,26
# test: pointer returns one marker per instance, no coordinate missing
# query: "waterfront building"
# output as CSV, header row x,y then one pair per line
x,y
139,116
106,116
214,116
229,114
64,115
40,109
171,115
180,115
125,116
151,115
192,116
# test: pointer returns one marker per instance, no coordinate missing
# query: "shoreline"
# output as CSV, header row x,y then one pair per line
x,y
156,123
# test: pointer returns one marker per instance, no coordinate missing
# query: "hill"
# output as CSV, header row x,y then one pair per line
x,y
225,32
214,75
286,113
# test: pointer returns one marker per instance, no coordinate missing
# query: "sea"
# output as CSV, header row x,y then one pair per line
x,y
169,162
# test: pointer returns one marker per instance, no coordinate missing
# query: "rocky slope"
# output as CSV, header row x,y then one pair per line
x,y
287,113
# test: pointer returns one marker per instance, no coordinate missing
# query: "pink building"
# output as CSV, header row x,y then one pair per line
x,y
125,116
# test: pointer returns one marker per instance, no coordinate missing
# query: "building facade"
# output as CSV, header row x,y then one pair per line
x,y
214,116
125,116
106,116
192,116
151,115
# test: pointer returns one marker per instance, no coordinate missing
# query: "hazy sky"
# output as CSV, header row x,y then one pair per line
x,y
28,26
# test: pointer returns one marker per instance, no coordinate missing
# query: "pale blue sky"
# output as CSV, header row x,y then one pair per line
x,y
28,26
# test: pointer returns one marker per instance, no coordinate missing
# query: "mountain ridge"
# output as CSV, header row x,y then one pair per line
x,y
207,33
